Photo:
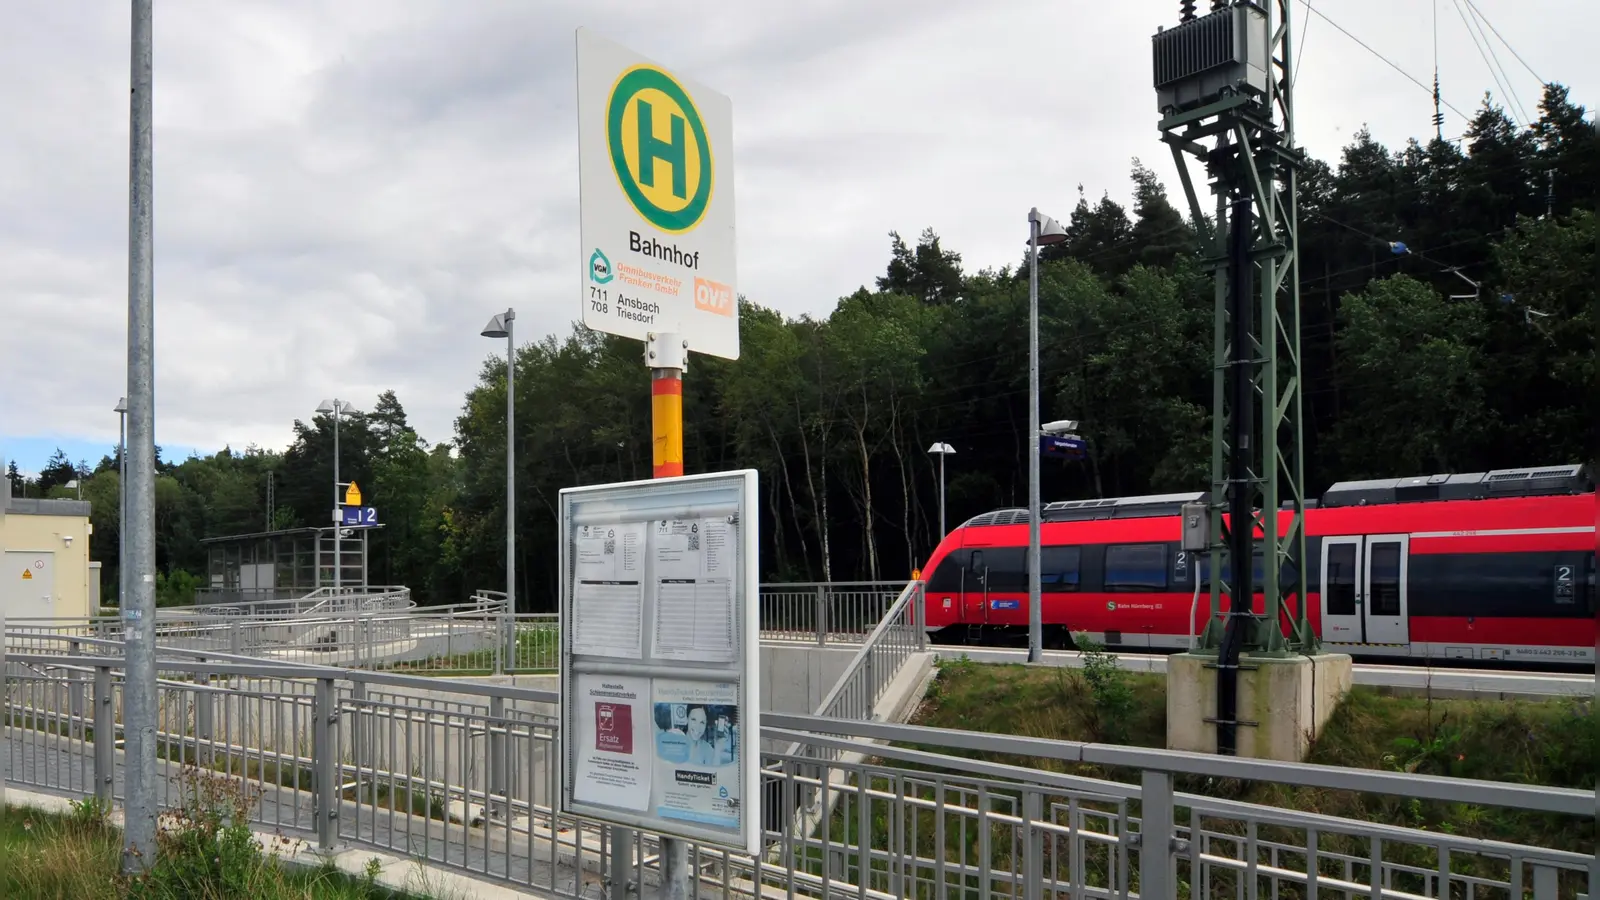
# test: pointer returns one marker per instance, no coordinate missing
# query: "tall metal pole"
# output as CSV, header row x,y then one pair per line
x,y
122,505
942,531
338,521
511,466
139,612
668,356
1035,614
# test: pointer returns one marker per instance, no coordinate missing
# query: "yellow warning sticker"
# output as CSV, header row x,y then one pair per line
x,y
27,574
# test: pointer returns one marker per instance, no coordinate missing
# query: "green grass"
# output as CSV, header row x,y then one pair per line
x,y
537,648
1554,742
77,856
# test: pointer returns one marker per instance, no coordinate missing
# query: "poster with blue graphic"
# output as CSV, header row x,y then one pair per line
x,y
696,752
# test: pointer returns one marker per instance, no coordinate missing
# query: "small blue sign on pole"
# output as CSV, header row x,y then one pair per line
x,y
1062,447
355,516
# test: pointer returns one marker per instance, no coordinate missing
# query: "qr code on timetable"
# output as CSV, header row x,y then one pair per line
x,y
611,546
694,540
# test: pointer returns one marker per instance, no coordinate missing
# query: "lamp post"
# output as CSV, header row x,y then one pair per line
x,y
1042,231
121,409
336,407
501,327
74,483
941,450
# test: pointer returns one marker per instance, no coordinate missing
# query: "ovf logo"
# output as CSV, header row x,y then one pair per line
x,y
599,267
659,149
713,297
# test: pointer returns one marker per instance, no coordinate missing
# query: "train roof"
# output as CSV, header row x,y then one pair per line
x,y
1547,481
1544,481
1092,510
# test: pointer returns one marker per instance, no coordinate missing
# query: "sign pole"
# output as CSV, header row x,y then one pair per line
x,y
668,357
658,264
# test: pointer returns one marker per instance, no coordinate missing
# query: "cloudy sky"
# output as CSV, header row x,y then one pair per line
x,y
347,189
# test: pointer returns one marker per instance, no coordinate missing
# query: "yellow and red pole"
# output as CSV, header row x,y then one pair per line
x,y
666,409
667,356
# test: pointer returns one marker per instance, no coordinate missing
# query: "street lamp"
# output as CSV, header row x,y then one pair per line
x,y
500,327
942,450
121,409
1042,231
74,484
336,407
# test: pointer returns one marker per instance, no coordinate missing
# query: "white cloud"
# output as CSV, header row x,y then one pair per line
x,y
346,190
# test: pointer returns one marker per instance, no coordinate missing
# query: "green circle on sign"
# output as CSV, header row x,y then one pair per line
x,y
628,87
1111,604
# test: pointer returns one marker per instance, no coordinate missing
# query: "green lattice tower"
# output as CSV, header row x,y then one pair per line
x,y
1226,99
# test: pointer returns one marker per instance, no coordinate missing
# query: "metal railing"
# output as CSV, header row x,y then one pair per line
x,y
457,639
462,775
269,602
874,667
838,612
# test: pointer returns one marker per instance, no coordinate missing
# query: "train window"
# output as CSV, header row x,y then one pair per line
x,y
1136,567
1006,568
1257,570
946,576
1058,568
1384,584
1339,594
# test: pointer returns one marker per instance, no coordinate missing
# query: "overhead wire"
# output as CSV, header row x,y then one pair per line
x,y
1479,14
1386,60
1491,62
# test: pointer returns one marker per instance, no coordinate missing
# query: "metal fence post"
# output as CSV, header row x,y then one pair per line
x,y
325,764
510,648
5,704
235,639
1155,837
203,717
497,758
919,616
500,643
1545,882
358,726
105,737
1033,853
75,683
822,616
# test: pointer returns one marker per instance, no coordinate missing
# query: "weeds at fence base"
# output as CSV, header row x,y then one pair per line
x,y
205,850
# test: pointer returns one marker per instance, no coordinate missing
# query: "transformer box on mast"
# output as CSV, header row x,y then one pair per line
x,y
1224,90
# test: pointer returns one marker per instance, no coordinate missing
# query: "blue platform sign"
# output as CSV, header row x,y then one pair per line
x,y
1063,447
360,515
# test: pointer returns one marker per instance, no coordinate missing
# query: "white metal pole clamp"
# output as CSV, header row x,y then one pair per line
x,y
666,350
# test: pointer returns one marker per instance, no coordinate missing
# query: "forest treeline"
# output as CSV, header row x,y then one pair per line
x,y
1470,347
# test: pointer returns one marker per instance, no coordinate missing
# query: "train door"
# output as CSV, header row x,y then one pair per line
x,y
1364,589
1385,571
975,590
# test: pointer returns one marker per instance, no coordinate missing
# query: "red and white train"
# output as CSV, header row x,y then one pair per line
x,y
1487,566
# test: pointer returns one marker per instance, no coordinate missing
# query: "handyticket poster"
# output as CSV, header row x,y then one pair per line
x,y
696,752
612,759
694,569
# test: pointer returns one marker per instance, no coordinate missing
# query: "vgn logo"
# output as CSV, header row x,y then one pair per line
x,y
659,149
599,267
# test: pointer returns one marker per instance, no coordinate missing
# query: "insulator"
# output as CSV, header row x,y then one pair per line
x,y
1186,10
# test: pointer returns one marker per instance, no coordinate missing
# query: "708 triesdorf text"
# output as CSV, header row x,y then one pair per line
x,y
602,300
